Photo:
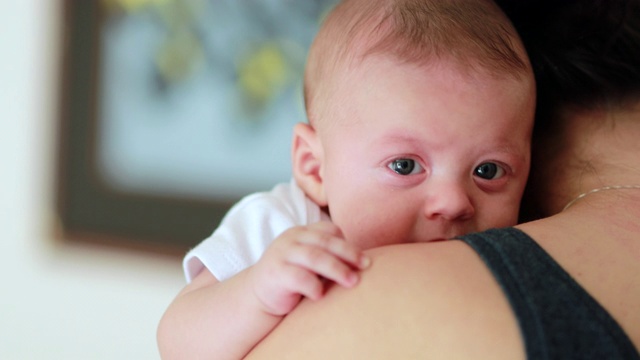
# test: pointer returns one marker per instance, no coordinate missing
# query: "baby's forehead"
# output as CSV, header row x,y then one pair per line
x,y
382,72
357,71
360,75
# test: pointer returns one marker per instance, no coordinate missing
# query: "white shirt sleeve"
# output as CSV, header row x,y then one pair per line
x,y
248,229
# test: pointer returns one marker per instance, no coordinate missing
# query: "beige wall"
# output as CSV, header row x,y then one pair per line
x,y
59,301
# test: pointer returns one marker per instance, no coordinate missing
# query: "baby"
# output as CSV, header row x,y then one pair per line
x,y
420,114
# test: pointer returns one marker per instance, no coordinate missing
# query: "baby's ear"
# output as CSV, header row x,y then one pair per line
x,y
307,156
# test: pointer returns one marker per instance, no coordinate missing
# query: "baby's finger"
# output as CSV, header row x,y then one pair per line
x,y
326,227
337,246
300,280
325,264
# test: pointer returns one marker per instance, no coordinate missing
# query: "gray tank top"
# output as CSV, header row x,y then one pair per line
x,y
558,318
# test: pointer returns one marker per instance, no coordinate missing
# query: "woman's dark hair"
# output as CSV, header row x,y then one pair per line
x,y
585,55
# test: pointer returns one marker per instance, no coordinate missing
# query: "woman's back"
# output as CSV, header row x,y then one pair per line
x,y
599,246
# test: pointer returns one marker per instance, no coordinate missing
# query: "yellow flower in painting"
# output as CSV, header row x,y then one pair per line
x,y
264,73
135,5
179,57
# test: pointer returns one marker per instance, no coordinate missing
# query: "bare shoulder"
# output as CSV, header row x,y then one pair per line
x,y
434,300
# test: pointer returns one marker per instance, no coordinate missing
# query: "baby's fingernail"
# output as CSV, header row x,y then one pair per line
x,y
365,261
352,279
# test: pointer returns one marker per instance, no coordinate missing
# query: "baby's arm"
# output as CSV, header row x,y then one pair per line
x,y
224,320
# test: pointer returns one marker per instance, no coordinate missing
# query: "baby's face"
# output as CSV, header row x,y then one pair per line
x,y
419,154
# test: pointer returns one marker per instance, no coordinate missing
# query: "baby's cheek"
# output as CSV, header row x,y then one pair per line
x,y
373,226
372,236
498,217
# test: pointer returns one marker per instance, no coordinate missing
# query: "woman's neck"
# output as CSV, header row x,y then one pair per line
x,y
603,160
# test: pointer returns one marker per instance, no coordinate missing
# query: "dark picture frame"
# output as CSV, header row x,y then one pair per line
x,y
88,208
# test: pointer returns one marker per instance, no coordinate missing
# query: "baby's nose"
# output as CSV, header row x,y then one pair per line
x,y
448,200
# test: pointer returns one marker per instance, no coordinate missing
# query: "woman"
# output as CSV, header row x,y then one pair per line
x,y
566,286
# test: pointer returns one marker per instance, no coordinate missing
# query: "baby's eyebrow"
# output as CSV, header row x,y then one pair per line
x,y
401,141
511,149
402,137
514,151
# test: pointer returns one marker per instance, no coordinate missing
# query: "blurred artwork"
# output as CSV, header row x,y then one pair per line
x,y
198,98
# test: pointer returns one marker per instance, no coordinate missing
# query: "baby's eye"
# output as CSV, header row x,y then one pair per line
x,y
405,166
489,171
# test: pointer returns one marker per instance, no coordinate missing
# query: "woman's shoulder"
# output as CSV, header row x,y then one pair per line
x,y
434,300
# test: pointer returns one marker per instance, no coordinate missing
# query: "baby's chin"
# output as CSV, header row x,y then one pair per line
x,y
431,240
409,241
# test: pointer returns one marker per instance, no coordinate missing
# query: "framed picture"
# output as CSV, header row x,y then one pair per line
x,y
174,110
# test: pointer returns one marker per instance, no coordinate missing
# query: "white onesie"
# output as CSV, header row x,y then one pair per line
x,y
249,228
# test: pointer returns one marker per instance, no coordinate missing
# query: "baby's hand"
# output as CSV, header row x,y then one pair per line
x,y
298,261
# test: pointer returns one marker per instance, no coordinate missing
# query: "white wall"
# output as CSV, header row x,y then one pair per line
x,y
59,301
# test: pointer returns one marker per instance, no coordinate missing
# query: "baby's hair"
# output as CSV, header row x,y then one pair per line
x,y
475,34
